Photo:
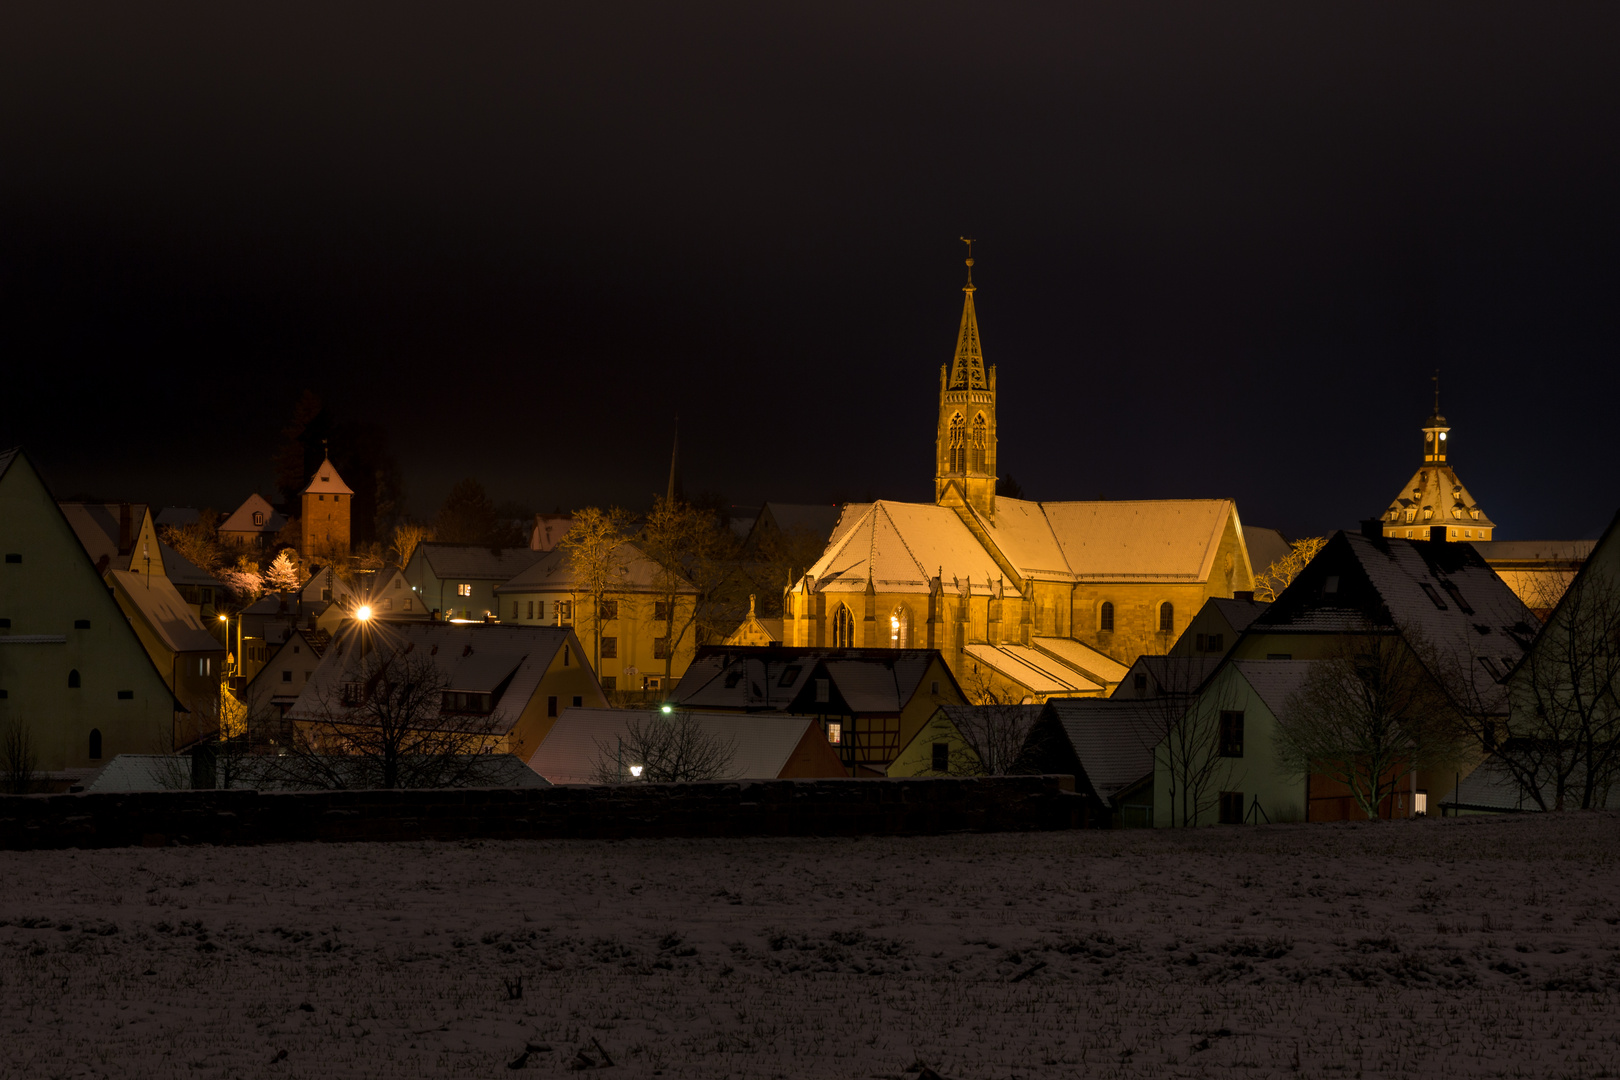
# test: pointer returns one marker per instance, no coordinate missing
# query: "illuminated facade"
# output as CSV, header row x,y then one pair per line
x,y
1027,600
324,519
1434,497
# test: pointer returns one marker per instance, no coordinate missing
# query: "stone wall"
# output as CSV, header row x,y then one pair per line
x,y
756,808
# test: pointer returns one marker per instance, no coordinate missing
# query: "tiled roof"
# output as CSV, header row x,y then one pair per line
x,y
327,481
772,678
900,547
1098,666
1039,672
551,571
165,612
475,657
583,741
476,562
1502,551
241,521
1172,676
182,571
1113,739
1128,540
1275,680
1238,613
97,526
1436,488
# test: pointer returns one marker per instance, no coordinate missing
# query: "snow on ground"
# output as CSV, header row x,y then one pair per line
x,y
1456,949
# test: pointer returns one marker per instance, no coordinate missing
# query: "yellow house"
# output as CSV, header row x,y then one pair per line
x,y
191,659
638,640
72,670
1026,600
937,749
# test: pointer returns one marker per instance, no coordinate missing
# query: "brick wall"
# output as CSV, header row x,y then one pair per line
x,y
899,807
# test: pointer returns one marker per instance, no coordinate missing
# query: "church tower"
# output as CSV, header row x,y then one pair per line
x,y
965,442
1435,498
324,522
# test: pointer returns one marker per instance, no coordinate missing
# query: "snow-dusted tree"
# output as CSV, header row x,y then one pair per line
x,y
244,579
1367,714
197,542
663,749
284,574
407,535
392,723
1270,582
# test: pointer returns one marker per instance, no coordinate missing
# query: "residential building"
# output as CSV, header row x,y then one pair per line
x,y
118,536
1107,746
187,653
459,580
871,703
1217,625
1538,571
642,636
938,748
594,746
275,688
1166,676
976,569
255,523
324,518
507,684
72,669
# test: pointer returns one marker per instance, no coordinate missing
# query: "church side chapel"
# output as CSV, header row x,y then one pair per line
x,y
1026,600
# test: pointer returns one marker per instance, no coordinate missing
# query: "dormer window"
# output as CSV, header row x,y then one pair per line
x,y
1428,513
258,517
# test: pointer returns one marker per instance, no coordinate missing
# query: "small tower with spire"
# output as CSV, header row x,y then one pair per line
x,y
1435,498
324,518
965,442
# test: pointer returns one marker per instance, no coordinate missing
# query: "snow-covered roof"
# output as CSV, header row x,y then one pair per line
x,y
1275,680
583,741
1491,786
777,678
553,571
1131,540
1238,613
477,562
1112,738
326,481
1169,676
507,661
241,520
99,525
1497,552
182,571
1444,592
1436,488
1097,666
900,547
1039,672
163,610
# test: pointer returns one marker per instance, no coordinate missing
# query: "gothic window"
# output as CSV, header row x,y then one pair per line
x,y
1167,618
958,443
1105,616
981,440
900,628
843,628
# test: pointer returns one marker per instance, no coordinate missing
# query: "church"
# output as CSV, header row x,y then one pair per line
x,y
1027,600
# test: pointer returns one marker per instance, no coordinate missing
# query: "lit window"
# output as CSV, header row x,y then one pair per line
x,y
464,589
900,628
835,733
843,628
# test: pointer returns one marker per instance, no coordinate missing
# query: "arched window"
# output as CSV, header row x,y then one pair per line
x,y
958,444
1167,618
95,744
73,679
981,439
900,628
1105,616
843,628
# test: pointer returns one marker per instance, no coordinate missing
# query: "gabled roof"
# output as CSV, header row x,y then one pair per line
x,y
817,518
1133,540
326,481
1499,552
163,610
477,562
1444,592
1041,673
1112,738
1096,666
553,571
1275,680
99,526
1266,546
182,571
900,547
479,658
1169,676
583,740
1238,613
241,521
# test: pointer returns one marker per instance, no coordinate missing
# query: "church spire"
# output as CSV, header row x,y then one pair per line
x,y
967,369
674,490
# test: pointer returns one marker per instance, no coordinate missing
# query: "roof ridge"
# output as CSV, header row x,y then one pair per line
x,y
910,554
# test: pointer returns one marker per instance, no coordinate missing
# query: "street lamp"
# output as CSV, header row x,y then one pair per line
x,y
363,613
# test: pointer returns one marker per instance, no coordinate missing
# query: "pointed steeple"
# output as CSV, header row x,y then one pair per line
x,y
967,369
674,491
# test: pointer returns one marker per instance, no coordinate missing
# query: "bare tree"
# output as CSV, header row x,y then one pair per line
x,y
595,555
407,535
19,761
994,729
392,724
1270,582
696,559
664,748
1367,714
781,558
1561,738
1187,725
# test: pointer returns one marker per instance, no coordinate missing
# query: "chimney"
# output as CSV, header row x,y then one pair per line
x,y
126,529
1246,595
1373,529
1437,534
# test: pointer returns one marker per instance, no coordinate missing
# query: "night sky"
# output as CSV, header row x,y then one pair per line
x,y
1221,247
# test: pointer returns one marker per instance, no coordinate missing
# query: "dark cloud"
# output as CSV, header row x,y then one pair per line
x,y
1222,247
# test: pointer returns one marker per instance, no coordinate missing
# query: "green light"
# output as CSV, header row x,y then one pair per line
x,y
667,709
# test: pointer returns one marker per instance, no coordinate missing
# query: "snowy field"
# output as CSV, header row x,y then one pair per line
x,y
1434,949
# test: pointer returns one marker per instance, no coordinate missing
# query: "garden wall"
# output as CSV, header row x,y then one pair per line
x,y
900,807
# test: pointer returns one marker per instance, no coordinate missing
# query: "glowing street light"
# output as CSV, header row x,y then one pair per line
x,y
667,709
635,771
363,613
